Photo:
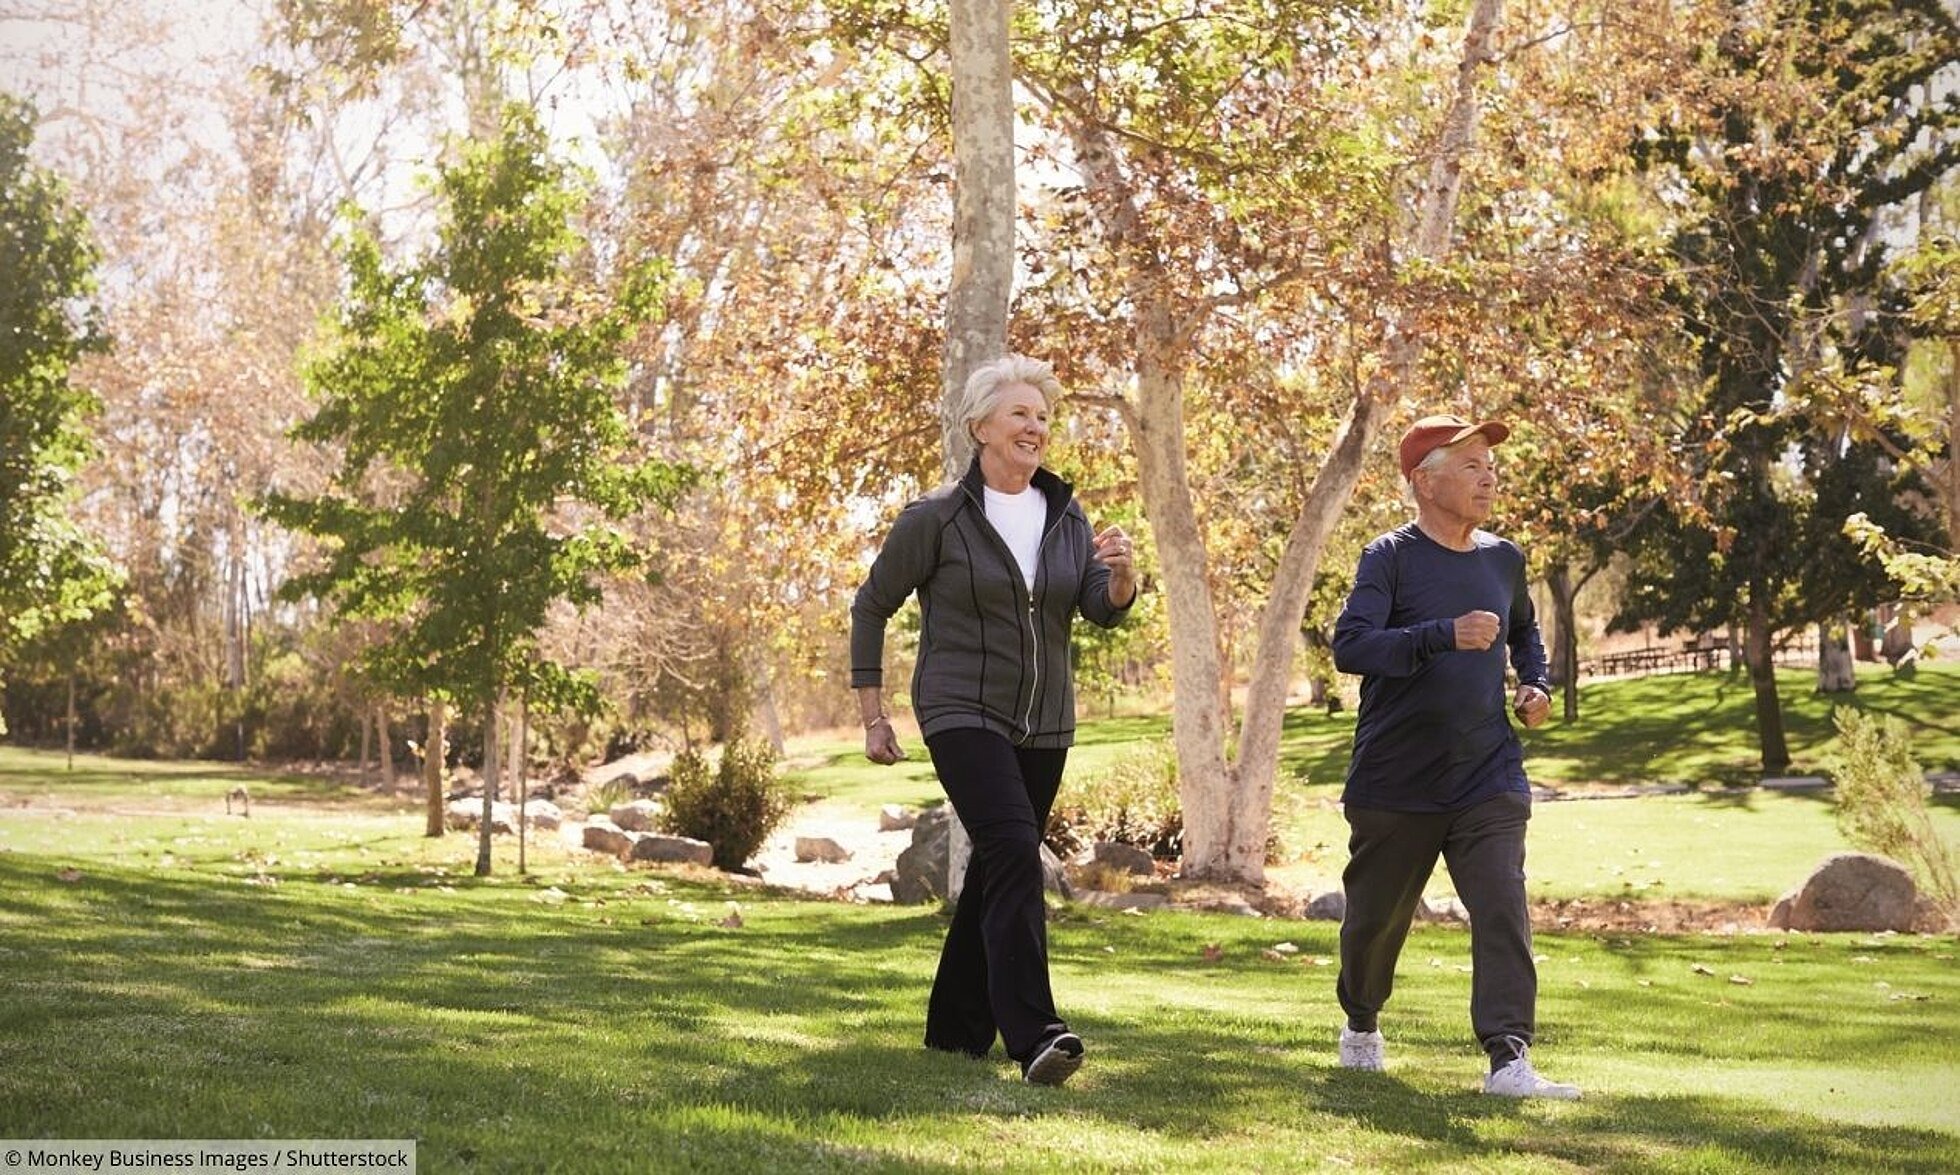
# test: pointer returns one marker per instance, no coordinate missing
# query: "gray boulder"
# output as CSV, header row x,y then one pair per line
x,y
684,849
821,848
602,836
635,815
1128,858
896,818
1850,891
1328,907
919,875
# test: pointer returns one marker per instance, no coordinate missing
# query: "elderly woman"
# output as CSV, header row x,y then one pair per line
x,y
1001,561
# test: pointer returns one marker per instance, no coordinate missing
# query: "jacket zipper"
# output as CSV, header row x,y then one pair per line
x,y
1034,636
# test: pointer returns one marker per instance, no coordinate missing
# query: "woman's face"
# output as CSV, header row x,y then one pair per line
x,y
1016,431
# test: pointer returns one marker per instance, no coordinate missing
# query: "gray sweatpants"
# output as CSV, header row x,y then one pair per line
x,y
1390,858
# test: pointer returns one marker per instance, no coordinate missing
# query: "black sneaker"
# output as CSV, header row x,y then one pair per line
x,y
1055,1061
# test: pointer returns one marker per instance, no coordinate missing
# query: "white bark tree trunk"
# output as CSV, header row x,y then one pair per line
x,y
433,756
983,247
492,726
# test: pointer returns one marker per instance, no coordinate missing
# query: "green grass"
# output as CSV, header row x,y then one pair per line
x,y
320,970
1683,728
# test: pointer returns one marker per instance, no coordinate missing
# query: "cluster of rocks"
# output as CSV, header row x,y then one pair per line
x,y
627,831
464,814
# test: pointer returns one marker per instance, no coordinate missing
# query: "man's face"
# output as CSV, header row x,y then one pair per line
x,y
1464,485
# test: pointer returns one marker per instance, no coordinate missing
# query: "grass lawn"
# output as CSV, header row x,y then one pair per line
x,y
320,970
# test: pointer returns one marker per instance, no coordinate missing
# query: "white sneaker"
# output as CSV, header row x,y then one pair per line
x,y
1519,1079
1362,1050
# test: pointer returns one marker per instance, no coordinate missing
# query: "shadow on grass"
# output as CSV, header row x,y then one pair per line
x,y
1627,1133
501,1033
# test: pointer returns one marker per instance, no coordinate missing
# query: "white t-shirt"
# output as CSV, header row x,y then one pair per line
x,y
1019,518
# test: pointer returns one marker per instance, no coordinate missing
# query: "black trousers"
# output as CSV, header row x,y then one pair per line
x,y
993,969
1390,858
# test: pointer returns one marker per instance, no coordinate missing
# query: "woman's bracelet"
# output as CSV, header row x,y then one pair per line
x,y
869,723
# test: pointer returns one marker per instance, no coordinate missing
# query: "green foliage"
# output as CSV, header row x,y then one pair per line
x,y
1923,575
1881,796
1133,801
734,808
486,467
51,572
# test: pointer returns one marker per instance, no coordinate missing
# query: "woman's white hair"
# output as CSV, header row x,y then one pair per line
x,y
983,386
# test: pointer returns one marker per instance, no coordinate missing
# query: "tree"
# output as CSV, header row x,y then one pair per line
x,y
51,573
477,386
1201,142
1807,125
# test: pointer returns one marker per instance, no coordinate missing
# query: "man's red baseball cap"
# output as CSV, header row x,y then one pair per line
x,y
1433,432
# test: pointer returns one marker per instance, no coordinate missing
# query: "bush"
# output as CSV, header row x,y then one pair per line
x,y
1134,802
734,808
1881,798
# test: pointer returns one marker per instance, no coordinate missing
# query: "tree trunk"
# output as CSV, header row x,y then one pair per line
x,y
1565,634
983,208
492,728
520,760
71,719
1760,655
367,732
434,752
1837,673
1864,637
983,248
386,756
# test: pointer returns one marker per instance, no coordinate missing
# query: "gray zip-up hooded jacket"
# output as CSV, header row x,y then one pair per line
x,y
991,655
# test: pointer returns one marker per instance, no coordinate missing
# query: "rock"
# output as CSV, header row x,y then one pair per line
x,y
1054,875
821,848
635,815
602,836
625,781
463,815
542,814
1124,901
896,818
1328,907
1442,910
1850,891
1128,858
657,847
920,872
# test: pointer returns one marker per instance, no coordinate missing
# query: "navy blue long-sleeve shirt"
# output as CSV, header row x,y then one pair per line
x,y
1434,731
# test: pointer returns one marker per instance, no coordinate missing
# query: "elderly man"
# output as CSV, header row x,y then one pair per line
x,y
1437,769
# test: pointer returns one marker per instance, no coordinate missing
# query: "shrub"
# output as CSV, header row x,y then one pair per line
x,y
1133,802
734,808
1881,798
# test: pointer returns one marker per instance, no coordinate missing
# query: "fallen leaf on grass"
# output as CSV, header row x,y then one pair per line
x,y
734,919
1742,981
68,875
1273,956
1212,952
1702,969
1919,997
1285,948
